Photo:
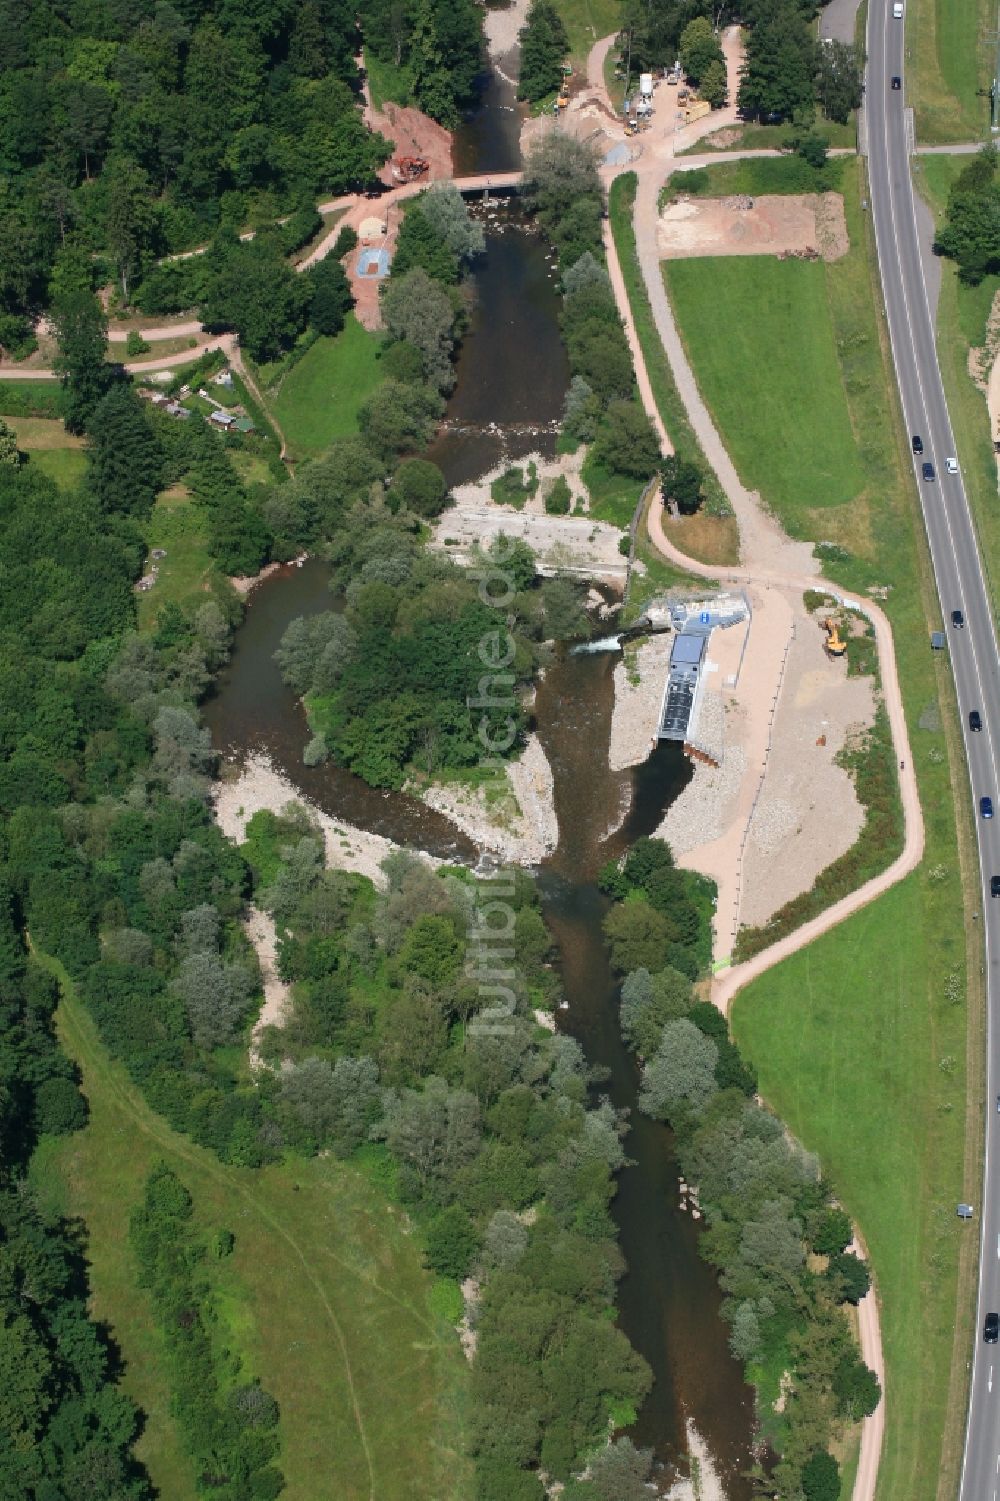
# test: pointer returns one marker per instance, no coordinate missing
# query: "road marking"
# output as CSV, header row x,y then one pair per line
x,y
989,1384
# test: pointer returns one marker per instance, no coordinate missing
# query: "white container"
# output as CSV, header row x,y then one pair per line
x,y
646,85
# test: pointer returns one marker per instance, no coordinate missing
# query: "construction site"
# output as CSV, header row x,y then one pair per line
x,y
756,687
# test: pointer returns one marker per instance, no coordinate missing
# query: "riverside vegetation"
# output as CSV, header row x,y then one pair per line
x,y
774,1232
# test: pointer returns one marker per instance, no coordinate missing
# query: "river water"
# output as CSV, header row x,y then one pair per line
x,y
512,377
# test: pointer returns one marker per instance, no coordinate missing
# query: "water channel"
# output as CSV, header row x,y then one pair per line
x,y
512,373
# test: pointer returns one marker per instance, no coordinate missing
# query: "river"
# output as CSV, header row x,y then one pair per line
x,y
512,377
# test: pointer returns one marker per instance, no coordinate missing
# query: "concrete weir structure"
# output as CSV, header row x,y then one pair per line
x,y
693,623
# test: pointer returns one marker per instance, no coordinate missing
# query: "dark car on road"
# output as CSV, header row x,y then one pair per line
x,y
918,443
991,1328
927,470
957,619
897,82
986,807
975,720
994,885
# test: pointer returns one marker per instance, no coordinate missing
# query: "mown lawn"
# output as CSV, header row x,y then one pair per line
x,y
863,1041
951,45
865,1063
324,1296
51,448
320,397
789,433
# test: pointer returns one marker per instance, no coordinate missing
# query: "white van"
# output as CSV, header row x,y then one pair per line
x,y
897,10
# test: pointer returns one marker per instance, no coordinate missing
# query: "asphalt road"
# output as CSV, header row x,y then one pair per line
x,y
961,586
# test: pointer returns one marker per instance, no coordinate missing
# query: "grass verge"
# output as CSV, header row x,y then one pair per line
x,y
862,1040
320,397
770,137
388,85
757,176
961,324
950,54
668,402
326,1298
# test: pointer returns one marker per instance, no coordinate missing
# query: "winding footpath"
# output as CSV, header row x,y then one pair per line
x,y
771,560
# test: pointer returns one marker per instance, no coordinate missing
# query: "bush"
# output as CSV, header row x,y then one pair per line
x,y
559,498
135,344
452,1242
59,1107
346,241
419,486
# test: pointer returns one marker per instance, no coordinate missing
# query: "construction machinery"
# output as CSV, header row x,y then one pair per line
x,y
409,168
836,646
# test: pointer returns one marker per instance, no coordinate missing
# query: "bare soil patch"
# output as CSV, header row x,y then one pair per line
x,y
413,134
775,224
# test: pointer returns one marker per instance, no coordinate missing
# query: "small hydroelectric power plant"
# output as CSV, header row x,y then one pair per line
x,y
692,622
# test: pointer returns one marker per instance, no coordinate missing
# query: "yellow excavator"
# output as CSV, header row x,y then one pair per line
x,y
836,646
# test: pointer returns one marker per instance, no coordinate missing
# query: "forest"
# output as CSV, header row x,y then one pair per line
x,y
134,130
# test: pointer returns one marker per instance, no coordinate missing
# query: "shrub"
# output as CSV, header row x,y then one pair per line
x,y
59,1107
559,498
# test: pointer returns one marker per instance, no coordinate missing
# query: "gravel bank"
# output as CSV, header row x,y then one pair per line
x,y
502,25
521,828
259,928
704,809
637,708
259,785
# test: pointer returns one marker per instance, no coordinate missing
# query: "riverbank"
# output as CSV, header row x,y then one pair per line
x,y
515,820
256,786
640,682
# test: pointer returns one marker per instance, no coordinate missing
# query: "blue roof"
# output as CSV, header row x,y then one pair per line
x,y
687,650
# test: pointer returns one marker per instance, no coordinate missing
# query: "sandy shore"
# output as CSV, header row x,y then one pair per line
x,y
259,928
259,786
521,828
705,1484
637,708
